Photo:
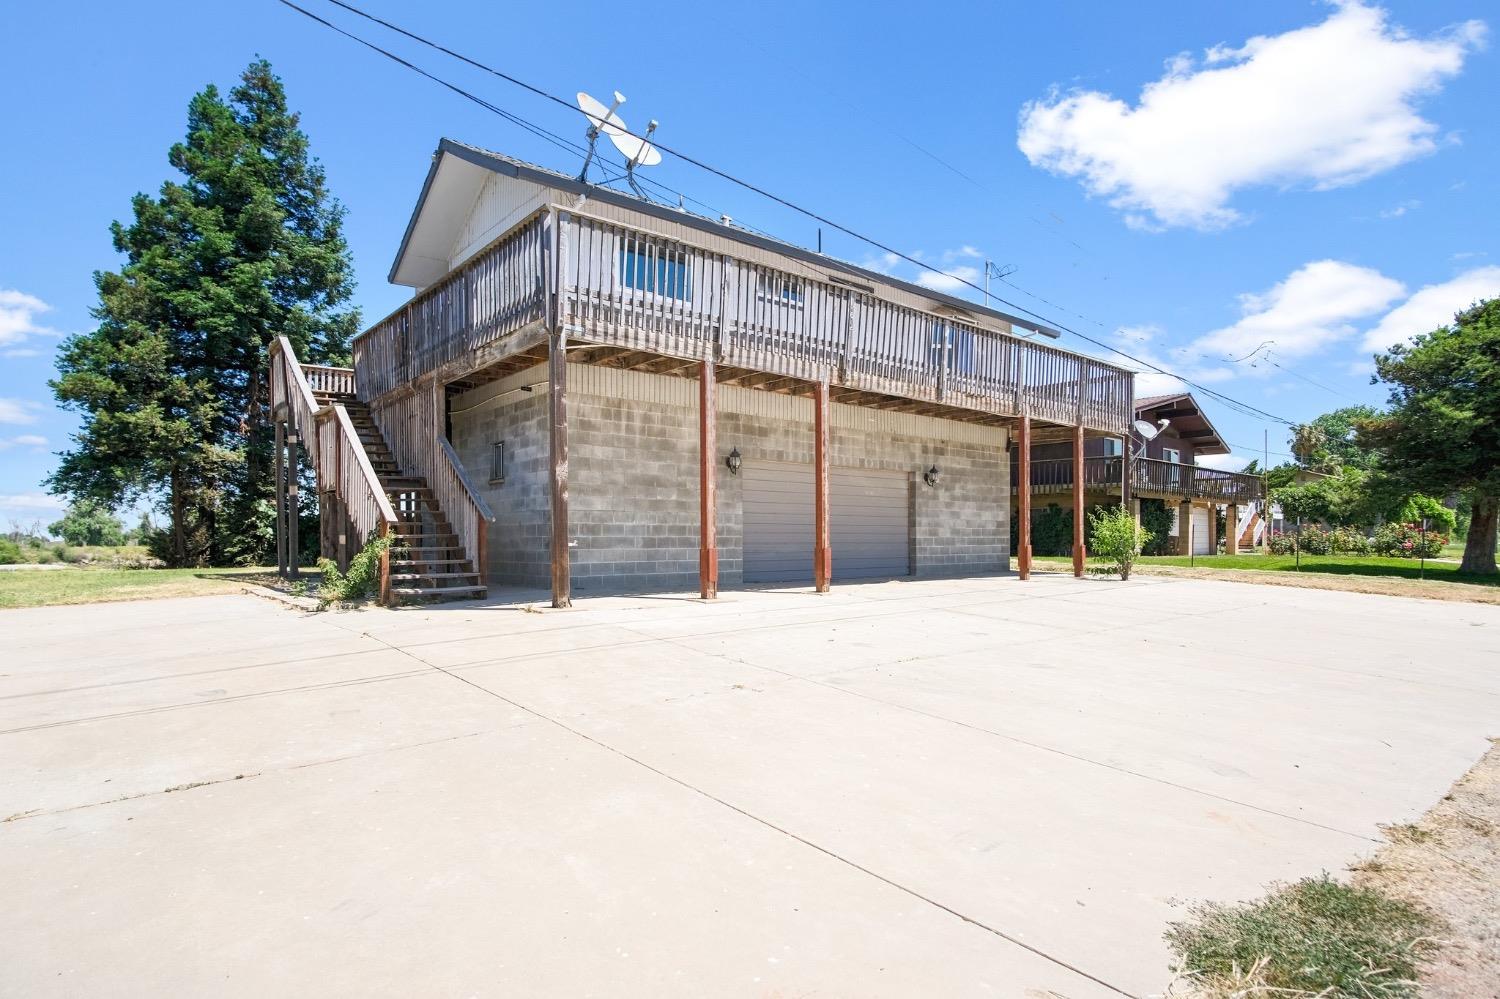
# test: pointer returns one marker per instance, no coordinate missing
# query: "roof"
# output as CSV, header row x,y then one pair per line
x,y
1189,420
449,191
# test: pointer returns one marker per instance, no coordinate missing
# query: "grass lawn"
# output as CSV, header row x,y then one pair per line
x,y
1340,565
80,585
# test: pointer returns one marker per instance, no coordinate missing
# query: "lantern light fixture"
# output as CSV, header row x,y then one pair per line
x,y
734,461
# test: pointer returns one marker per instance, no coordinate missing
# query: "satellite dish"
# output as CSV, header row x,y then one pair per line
x,y
1148,431
637,150
600,117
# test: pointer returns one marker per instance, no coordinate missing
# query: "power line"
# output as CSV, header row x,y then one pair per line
x,y
1242,407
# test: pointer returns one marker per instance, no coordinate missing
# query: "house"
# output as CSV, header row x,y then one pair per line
x,y
589,390
1165,469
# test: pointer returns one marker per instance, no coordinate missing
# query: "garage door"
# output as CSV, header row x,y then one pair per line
x,y
1200,531
869,522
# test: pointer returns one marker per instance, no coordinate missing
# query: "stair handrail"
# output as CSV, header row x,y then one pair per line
x,y
463,478
385,513
304,406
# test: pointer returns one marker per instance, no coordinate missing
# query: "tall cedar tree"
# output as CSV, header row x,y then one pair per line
x,y
172,384
1442,433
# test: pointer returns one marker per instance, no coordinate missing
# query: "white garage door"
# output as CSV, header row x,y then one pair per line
x,y
1200,530
869,522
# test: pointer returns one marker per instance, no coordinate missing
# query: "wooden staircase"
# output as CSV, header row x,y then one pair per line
x,y
429,562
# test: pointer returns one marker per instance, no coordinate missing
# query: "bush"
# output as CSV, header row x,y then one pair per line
x,y
1407,541
1313,938
1114,537
1439,518
1283,544
1348,541
10,552
1157,518
362,581
1314,541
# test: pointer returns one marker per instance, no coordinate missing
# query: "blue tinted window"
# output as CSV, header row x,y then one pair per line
x,y
655,273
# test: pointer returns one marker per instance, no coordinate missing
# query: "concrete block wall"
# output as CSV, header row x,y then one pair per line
x,y
633,477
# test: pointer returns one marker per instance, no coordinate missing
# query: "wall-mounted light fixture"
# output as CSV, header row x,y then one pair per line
x,y
733,462
931,476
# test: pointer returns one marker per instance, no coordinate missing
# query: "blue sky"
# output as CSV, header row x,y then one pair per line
x,y
1189,180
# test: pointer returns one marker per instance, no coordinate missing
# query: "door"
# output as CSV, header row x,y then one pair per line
x,y
1200,530
869,522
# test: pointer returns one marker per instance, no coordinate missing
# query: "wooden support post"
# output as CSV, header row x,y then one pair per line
x,y
708,448
293,543
1135,510
557,371
279,478
1079,551
1231,529
386,597
1185,528
1213,529
1023,498
822,550
1125,476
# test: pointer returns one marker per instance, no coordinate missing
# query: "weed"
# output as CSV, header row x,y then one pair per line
x,y
363,578
1316,937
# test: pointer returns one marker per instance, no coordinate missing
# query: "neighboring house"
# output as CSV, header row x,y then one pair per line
x,y
1164,468
590,390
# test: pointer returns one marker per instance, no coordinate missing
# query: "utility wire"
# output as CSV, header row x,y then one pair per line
x,y
1239,406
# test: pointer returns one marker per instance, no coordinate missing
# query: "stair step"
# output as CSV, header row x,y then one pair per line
x,y
410,563
439,591
434,575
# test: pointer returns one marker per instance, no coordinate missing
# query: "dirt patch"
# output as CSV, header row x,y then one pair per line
x,y
1429,589
1449,862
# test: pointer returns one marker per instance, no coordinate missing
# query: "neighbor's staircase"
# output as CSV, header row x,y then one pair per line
x,y
430,563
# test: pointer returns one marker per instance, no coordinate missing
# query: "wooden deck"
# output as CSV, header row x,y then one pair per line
x,y
1151,478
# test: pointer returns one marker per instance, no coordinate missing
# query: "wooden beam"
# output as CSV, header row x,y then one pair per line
x,y
280,480
1023,499
708,448
1169,413
293,543
557,376
822,551
1188,435
1231,529
1078,544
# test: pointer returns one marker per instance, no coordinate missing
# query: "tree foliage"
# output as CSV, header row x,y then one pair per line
x,y
1115,536
89,522
1442,434
246,246
1331,441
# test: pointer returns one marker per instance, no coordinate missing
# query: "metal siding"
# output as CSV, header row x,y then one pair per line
x,y
871,533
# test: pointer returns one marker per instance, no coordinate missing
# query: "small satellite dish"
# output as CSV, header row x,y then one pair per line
x,y
637,151
601,117
1148,431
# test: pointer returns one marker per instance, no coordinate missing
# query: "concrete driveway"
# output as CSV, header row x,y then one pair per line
x,y
977,787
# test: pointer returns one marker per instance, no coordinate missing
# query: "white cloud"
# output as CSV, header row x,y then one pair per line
x,y
1433,306
951,280
18,312
33,441
21,352
1401,209
1140,342
26,508
1313,307
17,411
1226,462
1325,105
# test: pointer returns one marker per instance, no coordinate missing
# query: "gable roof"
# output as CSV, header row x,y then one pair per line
x,y
1191,420
458,173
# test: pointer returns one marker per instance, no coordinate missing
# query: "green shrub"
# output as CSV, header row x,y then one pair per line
x,y
1315,937
1314,541
1283,543
1157,519
362,581
1114,537
1348,541
1407,541
10,552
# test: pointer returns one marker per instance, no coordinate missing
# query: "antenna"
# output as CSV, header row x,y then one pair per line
x,y
603,119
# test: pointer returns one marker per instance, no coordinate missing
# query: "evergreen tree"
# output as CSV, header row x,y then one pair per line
x,y
1442,434
247,246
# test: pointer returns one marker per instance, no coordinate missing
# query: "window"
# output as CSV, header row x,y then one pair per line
x,y
960,348
497,462
1168,454
780,289
651,270
1113,447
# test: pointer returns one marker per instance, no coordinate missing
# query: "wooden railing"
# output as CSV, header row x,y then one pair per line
x,y
497,291
334,449
413,429
1149,475
624,286
326,380
610,283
